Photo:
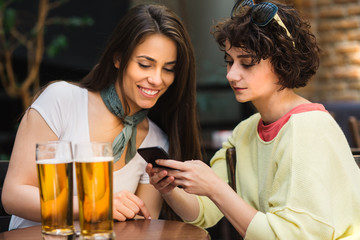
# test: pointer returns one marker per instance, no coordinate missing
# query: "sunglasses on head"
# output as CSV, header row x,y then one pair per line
x,y
261,14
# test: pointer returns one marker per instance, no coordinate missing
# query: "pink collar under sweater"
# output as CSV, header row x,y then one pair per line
x,y
269,132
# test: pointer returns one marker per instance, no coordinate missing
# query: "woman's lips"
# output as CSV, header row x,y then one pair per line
x,y
238,88
149,91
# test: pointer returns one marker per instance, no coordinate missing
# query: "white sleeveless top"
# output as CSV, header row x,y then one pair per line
x,y
64,107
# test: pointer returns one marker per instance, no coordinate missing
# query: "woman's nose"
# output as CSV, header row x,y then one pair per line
x,y
233,74
155,79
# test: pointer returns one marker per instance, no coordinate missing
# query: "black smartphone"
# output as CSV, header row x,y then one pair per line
x,y
150,154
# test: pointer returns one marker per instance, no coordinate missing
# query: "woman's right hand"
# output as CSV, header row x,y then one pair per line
x,y
159,179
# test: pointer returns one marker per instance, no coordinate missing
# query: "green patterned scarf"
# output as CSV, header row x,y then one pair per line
x,y
128,134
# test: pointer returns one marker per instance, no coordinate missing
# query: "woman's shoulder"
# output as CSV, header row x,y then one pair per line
x,y
314,125
251,121
60,92
313,119
62,99
63,87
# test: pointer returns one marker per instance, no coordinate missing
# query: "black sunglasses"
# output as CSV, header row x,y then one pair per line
x,y
261,14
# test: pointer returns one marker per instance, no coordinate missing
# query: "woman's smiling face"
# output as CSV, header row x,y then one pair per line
x,y
150,71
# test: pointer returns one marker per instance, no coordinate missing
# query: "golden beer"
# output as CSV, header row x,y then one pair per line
x,y
95,185
56,196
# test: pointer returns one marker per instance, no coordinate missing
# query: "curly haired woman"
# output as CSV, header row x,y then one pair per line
x,y
295,174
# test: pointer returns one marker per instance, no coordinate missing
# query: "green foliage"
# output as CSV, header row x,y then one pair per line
x,y
24,24
80,21
9,19
74,21
4,156
58,44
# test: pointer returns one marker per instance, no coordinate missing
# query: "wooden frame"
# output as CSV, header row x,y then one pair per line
x,y
354,127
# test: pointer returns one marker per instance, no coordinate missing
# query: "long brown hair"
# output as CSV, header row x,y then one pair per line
x,y
175,112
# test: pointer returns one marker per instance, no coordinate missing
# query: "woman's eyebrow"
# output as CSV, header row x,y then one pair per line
x,y
238,56
244,56
170,63
153,60
146,57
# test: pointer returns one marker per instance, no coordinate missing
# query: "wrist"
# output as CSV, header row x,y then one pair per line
x,y
217,189
166,194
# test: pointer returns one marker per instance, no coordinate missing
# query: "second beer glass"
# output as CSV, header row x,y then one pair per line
x,y
94,177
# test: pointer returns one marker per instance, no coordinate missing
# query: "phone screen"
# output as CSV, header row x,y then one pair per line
x,y
150,154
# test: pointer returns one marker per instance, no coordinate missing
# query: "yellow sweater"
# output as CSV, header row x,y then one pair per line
x,y
304,183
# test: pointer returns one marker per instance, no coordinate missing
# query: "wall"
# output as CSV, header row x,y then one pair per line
x,y
336,23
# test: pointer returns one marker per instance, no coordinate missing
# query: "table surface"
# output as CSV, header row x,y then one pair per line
x,y
130,230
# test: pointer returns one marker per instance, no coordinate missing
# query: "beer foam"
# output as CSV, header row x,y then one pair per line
x,y
54,161
94,159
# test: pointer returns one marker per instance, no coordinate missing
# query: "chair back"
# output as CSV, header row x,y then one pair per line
x,y
354,127
357,159
4,217
231,232
231,165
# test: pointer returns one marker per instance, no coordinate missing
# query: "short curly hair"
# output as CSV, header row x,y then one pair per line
x,y
294,59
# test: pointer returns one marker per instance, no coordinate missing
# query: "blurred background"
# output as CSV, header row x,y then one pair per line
x,y
76,31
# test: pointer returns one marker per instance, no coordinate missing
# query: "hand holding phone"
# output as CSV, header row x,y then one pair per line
x,y
150,154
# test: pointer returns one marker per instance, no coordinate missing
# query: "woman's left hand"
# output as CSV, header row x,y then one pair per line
x,y
159,179
127,205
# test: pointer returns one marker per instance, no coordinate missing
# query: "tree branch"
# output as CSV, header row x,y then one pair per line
x,y
57,4
39,48
3,78
10,71
18,36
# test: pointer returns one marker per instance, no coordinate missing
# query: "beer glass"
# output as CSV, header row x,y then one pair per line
x,y
55,174
94,177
